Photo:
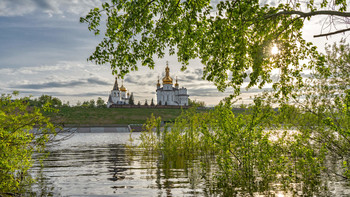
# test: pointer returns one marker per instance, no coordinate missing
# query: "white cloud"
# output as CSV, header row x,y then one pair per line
x,y
50,7
16,7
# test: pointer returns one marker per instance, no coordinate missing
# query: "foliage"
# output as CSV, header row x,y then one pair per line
x,y
131,99
152,102
85,104
66,104
326,101
306,154
100,103
44,99
92,104
196,103
18,144
233,39
249,158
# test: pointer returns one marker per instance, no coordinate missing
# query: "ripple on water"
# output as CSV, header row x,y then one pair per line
x,y
100,164
90,164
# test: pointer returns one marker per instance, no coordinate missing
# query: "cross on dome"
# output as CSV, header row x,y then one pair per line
x,y
167,79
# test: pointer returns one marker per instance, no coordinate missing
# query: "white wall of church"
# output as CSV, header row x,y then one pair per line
x,y
118,97
169,95
172,97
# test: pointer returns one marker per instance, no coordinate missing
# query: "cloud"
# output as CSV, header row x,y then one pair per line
x,y
186,78
98,82
15,7
50,85
62,66
50,7
63,84
207,91
198,72
36,93
141,80
7,71
88,94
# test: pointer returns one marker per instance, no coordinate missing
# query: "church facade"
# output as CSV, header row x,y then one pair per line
x,y
118,96
169,94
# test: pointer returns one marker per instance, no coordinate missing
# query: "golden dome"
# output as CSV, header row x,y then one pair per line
x,y
176,84
167,79
158,84
122,88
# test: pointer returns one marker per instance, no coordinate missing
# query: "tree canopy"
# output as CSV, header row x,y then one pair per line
x,y
233,39
23,131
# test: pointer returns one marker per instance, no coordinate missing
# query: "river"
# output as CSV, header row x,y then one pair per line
x,y
108,164
105,164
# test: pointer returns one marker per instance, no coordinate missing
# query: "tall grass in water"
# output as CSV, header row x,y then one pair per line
x,y
247,160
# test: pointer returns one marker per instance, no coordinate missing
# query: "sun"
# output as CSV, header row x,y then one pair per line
x,y
274,50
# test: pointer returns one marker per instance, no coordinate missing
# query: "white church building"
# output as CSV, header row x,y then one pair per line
x,y
118,96
169,94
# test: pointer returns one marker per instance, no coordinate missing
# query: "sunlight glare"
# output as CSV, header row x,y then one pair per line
x,y
274,50
280,195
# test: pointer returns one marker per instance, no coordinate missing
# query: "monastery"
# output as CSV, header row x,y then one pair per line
x,y
118,95
169,95
166,94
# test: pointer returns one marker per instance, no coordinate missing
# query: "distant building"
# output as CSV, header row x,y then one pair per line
x,y
118,95
169,95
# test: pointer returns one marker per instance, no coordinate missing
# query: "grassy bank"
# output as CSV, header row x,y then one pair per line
x,y
110,116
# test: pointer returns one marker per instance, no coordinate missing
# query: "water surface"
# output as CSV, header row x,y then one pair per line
x,y
109,164
106,164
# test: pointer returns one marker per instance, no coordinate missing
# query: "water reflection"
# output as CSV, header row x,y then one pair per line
x,y
108,164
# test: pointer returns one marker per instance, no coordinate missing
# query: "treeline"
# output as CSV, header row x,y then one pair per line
x,y
196,103
99,103
57,103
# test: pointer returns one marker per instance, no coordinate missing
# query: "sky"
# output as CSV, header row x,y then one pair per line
x,y
44,50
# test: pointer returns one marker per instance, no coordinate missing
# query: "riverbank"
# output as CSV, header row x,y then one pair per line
x,y
116,117
87,117
103,129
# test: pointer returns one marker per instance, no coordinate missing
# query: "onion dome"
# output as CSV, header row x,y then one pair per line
x,y
122,88
176,84
167,79
128,94
158,84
